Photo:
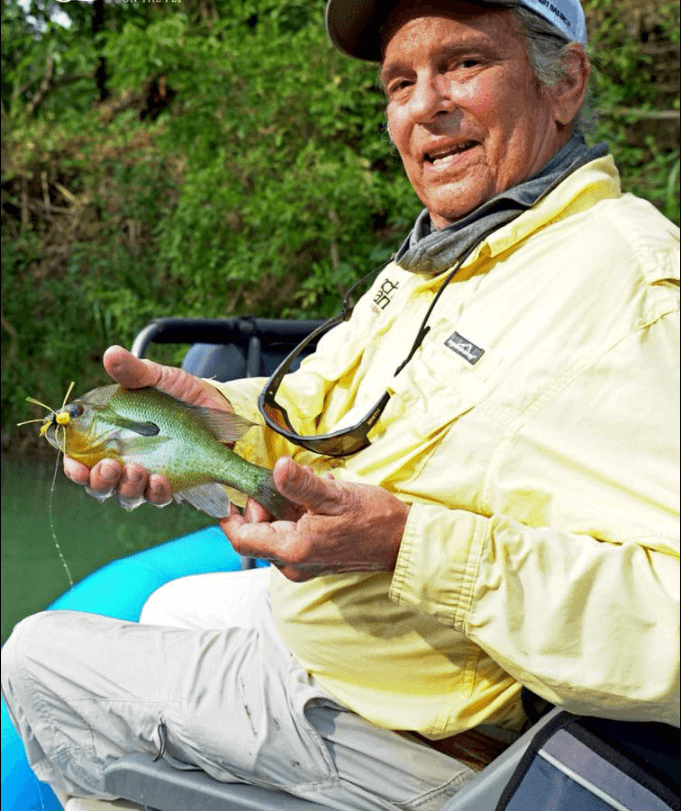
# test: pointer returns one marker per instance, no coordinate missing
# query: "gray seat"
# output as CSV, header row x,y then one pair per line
x,y
157,785
161,787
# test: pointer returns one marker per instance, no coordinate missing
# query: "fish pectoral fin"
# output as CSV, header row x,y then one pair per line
x,y
211,498
141,428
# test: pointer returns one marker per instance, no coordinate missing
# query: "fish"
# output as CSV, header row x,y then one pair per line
x,y
183,442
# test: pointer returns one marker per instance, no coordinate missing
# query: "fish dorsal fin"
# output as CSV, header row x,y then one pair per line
x,y
98,397
225,426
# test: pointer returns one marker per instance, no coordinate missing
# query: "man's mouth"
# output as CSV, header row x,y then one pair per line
x,y
443,154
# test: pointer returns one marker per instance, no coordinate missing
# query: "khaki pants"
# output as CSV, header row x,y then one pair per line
x,y
206,665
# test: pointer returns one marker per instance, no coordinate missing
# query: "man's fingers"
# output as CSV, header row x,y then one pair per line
x,y
159,492
246,541
105,475
100,482
133,483
76,471
255,513
280,543
301,486
133,373
130,371
262,540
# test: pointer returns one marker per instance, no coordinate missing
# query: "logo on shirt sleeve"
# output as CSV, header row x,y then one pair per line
x,y
462,346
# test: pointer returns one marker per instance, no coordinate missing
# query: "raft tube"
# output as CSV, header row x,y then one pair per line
x,y
117,590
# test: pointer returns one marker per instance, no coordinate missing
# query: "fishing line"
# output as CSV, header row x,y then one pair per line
x,y
50,502
50,512
50,515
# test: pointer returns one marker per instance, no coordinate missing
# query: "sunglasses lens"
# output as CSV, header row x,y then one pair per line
x,y
342,445
275,413
347,445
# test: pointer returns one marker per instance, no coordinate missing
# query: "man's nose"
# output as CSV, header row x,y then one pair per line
x,y
431,97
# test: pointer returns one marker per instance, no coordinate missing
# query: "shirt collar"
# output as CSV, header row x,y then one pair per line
x,y
430,251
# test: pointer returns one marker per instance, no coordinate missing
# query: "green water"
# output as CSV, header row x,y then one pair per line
x,y
89,534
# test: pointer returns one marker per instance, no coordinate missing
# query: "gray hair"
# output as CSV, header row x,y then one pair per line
x,y
547,48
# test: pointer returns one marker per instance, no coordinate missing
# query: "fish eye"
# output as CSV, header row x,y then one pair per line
x,y
74,410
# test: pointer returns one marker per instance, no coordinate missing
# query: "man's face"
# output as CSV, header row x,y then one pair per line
x,y
465,110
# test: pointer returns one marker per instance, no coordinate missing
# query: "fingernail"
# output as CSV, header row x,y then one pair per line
x,y
108,472
156,491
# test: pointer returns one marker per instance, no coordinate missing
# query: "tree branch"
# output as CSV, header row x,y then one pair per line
x,y
44,89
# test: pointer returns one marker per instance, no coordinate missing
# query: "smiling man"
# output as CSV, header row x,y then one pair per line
x,y
465,109
486,456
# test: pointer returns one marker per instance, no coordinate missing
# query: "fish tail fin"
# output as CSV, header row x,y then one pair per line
x,y
273,501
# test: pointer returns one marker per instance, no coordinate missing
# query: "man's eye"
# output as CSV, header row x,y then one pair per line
x,y
466,64
397,87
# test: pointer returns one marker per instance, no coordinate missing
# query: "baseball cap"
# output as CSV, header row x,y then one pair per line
x,y
354,26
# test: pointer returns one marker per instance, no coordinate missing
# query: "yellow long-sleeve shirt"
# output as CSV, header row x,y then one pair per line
x,y
542,543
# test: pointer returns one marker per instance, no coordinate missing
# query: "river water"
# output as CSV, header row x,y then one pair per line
x,y
89,534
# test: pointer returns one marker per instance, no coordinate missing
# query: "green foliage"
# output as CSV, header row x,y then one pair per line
x,y
266,187
635,52
278,179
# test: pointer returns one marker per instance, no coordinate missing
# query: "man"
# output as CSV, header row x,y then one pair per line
x,y
512,520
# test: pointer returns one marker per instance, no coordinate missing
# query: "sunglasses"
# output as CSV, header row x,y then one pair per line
x,y
349,440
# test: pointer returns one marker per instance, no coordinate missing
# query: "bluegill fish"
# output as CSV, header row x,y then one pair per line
x,y
164,435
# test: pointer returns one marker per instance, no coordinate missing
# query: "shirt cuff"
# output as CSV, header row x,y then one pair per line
x,y
437,565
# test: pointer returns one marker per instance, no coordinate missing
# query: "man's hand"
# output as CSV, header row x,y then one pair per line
x,y
132,483
345,527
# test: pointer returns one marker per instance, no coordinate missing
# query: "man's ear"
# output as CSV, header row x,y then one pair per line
x,y
569,93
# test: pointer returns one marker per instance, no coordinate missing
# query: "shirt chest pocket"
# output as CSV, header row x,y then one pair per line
x,y
439,385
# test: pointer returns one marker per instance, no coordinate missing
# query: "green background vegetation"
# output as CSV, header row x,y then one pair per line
x,y
229,161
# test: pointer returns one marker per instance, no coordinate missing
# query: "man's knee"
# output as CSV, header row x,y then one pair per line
x,y
210,600
20,639
160,606
17,658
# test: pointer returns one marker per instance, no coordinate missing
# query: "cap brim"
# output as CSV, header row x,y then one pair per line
x,y
354,26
